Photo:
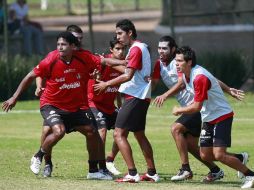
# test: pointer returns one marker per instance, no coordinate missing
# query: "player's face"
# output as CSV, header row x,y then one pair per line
x,y
164,51
122,36
181,64
64,48
118,51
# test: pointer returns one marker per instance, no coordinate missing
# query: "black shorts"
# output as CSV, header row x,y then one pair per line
x,y
104,120
132,115
216,135
53,116
192,122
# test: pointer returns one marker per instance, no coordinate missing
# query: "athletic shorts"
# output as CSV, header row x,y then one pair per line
x,y
132,115
192,122
53,116
216,135
104,120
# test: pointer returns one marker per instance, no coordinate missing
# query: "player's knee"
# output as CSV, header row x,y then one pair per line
x,y
59,132
220,156
176,129
205,156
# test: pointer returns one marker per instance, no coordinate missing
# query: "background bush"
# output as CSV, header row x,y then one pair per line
x,y
229,67
18,68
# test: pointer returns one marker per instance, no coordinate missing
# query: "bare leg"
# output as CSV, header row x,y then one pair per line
x,y
120,136
146,148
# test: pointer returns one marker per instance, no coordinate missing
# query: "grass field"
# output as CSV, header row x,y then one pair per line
x,y
19,140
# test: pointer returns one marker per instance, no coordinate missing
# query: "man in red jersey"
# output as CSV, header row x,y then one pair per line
x,y
102,105
63,105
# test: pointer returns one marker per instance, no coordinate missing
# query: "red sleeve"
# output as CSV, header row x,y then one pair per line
x,y
92,60
135,58
157,70
43,68
201,86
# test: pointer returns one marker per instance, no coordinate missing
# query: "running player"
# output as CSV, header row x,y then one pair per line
x,y
216,114
186,129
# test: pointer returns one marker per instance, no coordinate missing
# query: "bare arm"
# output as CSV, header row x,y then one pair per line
x,y
235,93
194,107
126,76
159,100
113,62
39,86
27,80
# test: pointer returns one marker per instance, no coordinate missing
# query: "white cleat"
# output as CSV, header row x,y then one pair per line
x,y
129,178
35,165
244,162
248,182
99,176
111,167
182,175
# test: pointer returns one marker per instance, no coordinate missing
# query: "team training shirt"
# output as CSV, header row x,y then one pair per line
x,y
66,84
104,101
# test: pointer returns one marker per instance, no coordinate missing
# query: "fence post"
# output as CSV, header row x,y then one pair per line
x,y
101,7
136,5
6,49
90,24
171,18
68,7
44,5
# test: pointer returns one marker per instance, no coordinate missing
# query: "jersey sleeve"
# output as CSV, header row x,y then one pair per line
x,y
135,58
43,68
157,70
201,86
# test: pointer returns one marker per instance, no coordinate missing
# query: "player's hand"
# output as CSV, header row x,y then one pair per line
x,y
100,86
39,91
96,75
159,100
147,78
175,111
9,104
237,94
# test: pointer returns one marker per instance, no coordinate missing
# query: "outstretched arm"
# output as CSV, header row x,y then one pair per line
x,y
193,108
159,100
113,62
27,80
39,86
101,85
235,93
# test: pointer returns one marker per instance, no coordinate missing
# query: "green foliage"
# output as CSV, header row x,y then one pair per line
x,y
18,68
229,67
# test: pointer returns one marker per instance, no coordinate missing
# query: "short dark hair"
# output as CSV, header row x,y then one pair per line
x,y
74,28
188,54
69,37
113,42
170,40
126,25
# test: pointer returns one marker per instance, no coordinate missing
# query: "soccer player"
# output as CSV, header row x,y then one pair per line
x,y
102,105
63,105
186,129
216,114
137,91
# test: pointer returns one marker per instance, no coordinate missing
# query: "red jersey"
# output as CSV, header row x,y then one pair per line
x,y
105,100
66,83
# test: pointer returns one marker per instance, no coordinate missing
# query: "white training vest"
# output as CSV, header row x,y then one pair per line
x,y
216,105
169,76
137,86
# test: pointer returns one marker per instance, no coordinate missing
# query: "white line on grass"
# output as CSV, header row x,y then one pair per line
x,y
148,115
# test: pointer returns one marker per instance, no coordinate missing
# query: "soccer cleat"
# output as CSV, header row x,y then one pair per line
x,y
182,175
111,167
47,170
244,162
99,175
248,182
129,178
152,178
211,177
35,165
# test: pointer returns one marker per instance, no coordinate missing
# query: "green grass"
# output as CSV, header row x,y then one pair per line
x,y
20,138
